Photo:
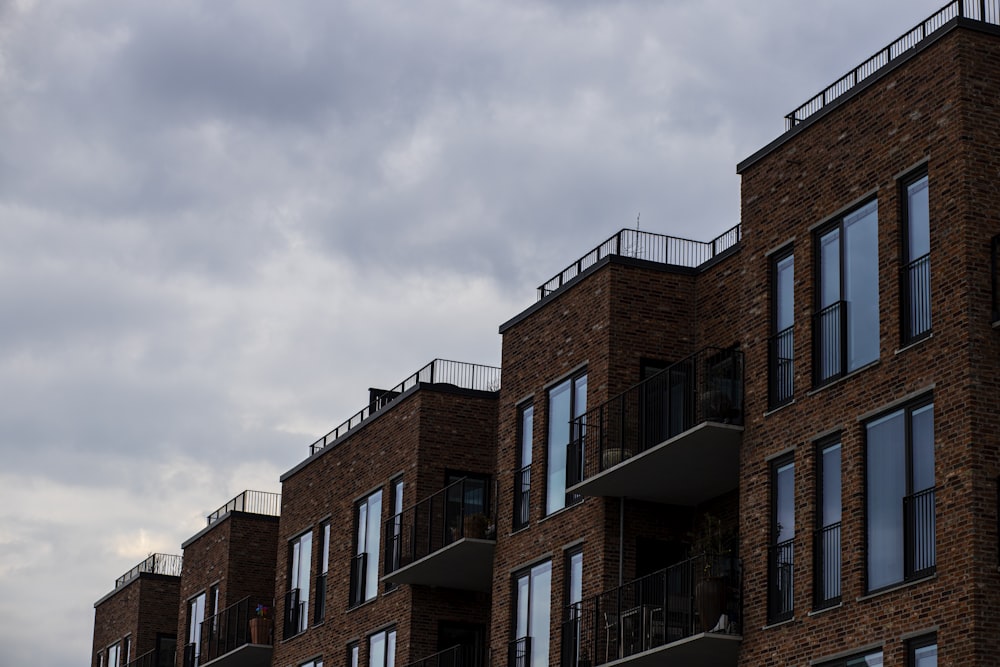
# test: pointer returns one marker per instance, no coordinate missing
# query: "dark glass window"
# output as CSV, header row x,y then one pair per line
x,y
573,608
916,278
871,659
395,531
522,479
532,592
922,652
781,352
782,552
364,564
382,649
900,495
324,566
567,402
827,549
299,580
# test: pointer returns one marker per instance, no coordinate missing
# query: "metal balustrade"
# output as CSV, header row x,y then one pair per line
x,y
455,656
826,553
522,497
917,298
780,581
919,525
781,367
166,564
830,343
230,629
252,502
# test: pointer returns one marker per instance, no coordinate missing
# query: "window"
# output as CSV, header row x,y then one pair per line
x,y
213,599
781,349
574,608
828,508
871,659
916,278
324,567
114,655
922,652
846,323
382,649
127,649
317,662
196,614
364,565
299,575
567,401
352,654
100,659
395,546
532,592
900,495
522,479
782,551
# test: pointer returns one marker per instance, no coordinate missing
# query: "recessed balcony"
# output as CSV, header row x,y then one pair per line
x,y
241,635
673,438
446,540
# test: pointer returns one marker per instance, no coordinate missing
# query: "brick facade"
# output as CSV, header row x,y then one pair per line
x,y
142,610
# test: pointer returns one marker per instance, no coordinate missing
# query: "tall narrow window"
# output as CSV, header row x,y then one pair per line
x,y
782,551
395,534
900,495
299,579
916,278
827,549
316,662
364,565
127,649
846,324
532,592
781,352
114,655
382,649
567,402
196,614
324,566
214,609
352,654
522,479
922,652
573,608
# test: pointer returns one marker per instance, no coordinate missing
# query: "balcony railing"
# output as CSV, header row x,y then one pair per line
x,y
253,502
456,656
984,11
358,581
519,652
235,626
919,522
699,595
167,564
153,658
522,497
705,387
294,613
651,247
781,367
320,606
826,584
830,343
917,300
462,509
439,371
781,580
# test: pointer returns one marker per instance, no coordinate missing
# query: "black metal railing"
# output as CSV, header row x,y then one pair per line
x,y
917,298
462,509
149,659
657,248
985,11
253,502
190,656
781,367
320,608
780,581
359,579
237,625
455,656
519,652
522,497
919,525
440,371
167,564
826,579
701,594
830,343
293,614
705,387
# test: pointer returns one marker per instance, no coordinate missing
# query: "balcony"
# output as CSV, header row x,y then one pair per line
x,y
674,438
252,502
686,614
238,636
166,564
446,540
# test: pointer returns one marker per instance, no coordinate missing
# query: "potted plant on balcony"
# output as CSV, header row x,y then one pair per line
x,y
712,543
476,525
260,626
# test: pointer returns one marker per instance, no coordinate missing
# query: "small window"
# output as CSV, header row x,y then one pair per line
x,y
315,662
367,535
782,551
922,651
567,424
522,478
571,639
353,649
382,649
394,550
916,275
781,348
870,659
299,580
532,598
826,552
324,566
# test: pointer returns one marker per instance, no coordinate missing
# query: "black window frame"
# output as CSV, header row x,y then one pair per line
x,y
916,643
827,545
781,555
853,660
781,344
915,321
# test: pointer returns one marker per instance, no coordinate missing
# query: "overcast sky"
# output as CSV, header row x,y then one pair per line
x,y
221,222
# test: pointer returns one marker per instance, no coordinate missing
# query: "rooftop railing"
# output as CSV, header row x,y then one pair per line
x,y
439,371
167,564
657,248
985,11
253,502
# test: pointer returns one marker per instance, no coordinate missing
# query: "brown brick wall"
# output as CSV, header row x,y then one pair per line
x,y
144,608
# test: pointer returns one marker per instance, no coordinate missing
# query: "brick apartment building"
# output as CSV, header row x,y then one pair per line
x,y
777,447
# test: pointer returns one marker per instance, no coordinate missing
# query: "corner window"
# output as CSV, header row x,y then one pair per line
x,y
900,496
781,354
382,649
567,402
922,652
846,323
781,554
364,564
916,277
532,593
522,478
826,552
299,575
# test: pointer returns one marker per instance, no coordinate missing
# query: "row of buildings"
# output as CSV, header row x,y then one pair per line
x,y
778,447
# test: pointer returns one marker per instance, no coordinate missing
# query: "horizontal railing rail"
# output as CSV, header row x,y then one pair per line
x,y
231,628
707,386
464,508
984,11
652,247
455,656
253,502
439,371
701,594
168,564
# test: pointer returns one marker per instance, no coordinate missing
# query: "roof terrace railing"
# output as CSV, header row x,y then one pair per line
x,y
254,502
168,564
648,246
985,11
440,371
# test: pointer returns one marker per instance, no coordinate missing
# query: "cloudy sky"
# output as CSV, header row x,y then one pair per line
x,y
221,222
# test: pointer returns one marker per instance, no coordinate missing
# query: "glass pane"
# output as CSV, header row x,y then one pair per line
x,y
870,660
390,650
326,547
575,578
376,650
559,416
784,504
861,285
925,656
374,540
362,527
918,233
353,659
922,425
886,486
784,302
541,592
831,485
305,565
829,262
527,419
521,620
